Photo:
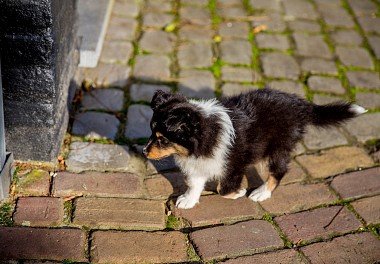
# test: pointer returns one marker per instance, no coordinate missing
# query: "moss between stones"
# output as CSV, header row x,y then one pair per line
x,y
6,210
31,177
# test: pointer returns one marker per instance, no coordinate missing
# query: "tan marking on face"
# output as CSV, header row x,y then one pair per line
x,y
159,153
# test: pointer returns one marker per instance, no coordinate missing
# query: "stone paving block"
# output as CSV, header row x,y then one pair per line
x,y
311,46
194,33
158,6
157,41
107,75
138,247
266,4
194,55
195,15
364,79
374,41
125,8
227,3
363,7
319,138
358,183
32,183
119,213
280,65
156,19
85,156
236,51
42,243
38,211
195,2
95,125
299,9
214,209
116,51
288,87
286,199
321,4
286,256
315,224
97,184
234,29
325,99
165,185
229,89
103,99
369,209
274,22
355,248
326,84
121,28
271,41
365,127
240,74
152,67
234,12
346,37
138,120
145,92
334,161
370,24
368,100
197,83
242,238
304,26
336,17
317,65
361,58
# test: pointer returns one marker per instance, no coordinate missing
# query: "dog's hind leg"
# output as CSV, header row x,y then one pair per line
x,y
230,186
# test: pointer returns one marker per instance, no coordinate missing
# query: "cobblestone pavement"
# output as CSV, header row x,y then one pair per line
x,y
106,204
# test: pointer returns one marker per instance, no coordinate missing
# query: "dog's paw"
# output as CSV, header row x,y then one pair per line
x,y
235,195
260,194
186,202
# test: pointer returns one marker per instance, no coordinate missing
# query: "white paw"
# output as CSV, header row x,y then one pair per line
x,y
186,202
260,194
236,195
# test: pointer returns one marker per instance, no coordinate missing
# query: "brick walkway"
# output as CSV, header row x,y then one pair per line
x,y
106,204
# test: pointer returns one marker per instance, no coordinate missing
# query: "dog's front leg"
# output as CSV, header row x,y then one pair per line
x,y
193,193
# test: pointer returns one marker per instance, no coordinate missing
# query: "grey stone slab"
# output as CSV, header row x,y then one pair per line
x,y
234,29
158,6
107,75
197,84
271,41
195,15
126,8
239,74
6,174
195,33
325,84
336,17
365,127
318,138
304,26
317,65
280,65
361,57
145,92
236,51
85,156
364,79
363,7
138,121
93,18
374,41
368,100
273,22
266,5
311,46
194,55
325,99
346,37
116,52
156,20
299,9
370,24
232,12
229,89
288,87
103,99
157,41
95,125
152,67
121,28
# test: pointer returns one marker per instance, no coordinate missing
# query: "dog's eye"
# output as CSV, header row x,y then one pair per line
x,y
163,141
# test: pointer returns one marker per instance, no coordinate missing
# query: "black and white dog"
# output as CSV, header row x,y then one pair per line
x,y
217,140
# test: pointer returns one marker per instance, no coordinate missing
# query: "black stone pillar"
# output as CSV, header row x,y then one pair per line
x,y
39,58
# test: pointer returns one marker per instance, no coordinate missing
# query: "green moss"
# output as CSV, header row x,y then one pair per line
x,y
6,210
173,222
267,217
192,254
67,210
33,176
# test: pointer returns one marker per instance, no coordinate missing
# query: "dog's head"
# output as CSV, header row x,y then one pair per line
x,y
175,126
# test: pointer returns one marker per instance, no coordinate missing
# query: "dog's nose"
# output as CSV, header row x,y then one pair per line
x,y
145,152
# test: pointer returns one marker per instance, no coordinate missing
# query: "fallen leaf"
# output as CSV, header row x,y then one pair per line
x,y
260,28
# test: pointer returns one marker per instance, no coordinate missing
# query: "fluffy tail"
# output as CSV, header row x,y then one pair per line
x,y
335,113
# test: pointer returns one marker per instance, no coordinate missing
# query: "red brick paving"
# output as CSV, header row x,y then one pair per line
x,y
318,223
97,184
369,209
233,240
138,247
357,184
214,209
39,243
38,211
356,248
287,256
165,185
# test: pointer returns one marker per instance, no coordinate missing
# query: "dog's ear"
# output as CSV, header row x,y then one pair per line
x,y
160,97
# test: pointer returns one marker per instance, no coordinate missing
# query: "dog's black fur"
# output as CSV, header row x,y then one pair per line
x,y
267,123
